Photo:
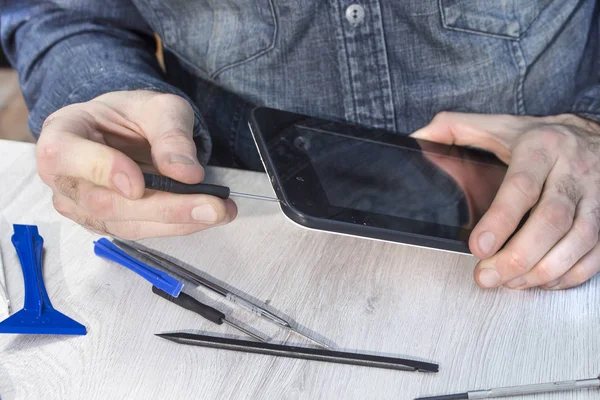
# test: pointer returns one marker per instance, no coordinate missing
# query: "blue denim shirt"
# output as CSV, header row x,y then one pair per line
x,y
387,64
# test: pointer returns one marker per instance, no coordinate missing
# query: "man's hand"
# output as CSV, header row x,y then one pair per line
x,y
92,155
554,171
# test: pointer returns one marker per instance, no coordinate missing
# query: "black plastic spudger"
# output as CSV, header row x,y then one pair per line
x,y
212,314
305,353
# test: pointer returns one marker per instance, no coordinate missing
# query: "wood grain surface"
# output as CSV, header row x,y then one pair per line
x,y
357,294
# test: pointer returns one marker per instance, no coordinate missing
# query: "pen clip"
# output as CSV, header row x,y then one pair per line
x,y
106,249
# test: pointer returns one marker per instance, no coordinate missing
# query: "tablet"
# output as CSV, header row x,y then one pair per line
x,y
375,184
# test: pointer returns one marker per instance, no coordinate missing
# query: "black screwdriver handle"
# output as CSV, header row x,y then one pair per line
x,y
166,184
189,303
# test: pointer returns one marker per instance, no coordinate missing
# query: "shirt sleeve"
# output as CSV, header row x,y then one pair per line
x,y
588,103
65,56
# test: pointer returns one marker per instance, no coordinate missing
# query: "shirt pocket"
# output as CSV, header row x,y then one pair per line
x,y
215,35
507,19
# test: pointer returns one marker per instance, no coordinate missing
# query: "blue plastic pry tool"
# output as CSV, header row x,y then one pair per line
x,y
37,316
107,249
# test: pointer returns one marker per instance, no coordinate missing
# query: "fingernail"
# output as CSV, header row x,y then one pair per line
x,y
552,284
487,241
205,213
520,281
489,277
121,181
419,135
177,159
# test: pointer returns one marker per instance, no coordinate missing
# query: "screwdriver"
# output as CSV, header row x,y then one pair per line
x,y
165,184
212,314
199,280
520,390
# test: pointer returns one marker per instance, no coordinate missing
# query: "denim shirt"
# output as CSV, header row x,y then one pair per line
x,y
387,64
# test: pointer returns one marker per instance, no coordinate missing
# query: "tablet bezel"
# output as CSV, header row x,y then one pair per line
x,y
303,200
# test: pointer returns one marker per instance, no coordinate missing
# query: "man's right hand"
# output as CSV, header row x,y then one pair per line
x,y
92,155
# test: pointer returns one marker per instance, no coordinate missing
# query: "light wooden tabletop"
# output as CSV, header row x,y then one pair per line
x,y
360,295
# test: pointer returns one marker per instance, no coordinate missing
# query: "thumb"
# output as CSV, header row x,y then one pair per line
x,y
493,133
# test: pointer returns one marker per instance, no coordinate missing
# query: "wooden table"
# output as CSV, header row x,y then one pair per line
x,y
373,297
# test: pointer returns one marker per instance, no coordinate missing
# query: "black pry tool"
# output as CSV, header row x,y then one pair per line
x,y
212,314
165,184
304,353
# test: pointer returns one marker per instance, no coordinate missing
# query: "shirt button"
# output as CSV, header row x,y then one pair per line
x,y
355,14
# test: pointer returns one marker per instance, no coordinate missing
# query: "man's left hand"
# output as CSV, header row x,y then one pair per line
x,y
553,172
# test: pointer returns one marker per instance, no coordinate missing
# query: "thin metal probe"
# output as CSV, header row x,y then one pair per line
x,y
246,331
254,196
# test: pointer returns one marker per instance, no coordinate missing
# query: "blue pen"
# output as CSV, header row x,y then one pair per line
x,y
106,249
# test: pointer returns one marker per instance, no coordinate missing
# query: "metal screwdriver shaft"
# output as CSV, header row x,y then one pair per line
x,y
254,196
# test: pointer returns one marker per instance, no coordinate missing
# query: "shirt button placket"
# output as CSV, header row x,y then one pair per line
x,y
368,97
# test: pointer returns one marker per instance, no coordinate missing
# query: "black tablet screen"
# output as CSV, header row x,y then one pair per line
x,y
382,178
